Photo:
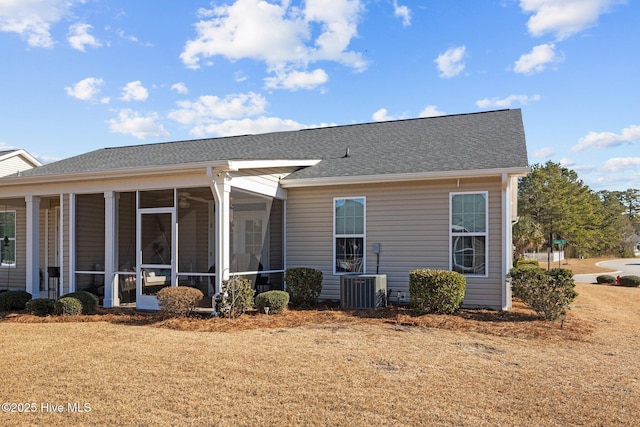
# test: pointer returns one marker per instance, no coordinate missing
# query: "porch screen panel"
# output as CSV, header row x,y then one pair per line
x,y
256,224
126,232
90,240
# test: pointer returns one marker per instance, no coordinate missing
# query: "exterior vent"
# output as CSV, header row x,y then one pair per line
x,y
363,291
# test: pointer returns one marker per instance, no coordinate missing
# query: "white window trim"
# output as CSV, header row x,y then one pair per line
x,y
14,239
346,236
470,234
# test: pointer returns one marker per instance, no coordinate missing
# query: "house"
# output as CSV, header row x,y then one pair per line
x,y
16,161
383,197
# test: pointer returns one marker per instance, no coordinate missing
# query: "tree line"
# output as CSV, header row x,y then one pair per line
x,y
554,204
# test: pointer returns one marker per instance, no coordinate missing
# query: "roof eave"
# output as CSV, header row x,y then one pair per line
x,y
400,177
136,172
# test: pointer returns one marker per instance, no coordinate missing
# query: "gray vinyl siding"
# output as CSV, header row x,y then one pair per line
x,y
409,220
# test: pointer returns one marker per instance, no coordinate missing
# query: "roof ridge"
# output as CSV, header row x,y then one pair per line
x,y
309,129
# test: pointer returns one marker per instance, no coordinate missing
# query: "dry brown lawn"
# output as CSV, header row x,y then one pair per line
x,y
330,367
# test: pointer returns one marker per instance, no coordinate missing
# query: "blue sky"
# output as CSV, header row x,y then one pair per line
x,y
78,75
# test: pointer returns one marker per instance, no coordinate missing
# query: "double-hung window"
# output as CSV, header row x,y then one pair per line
x,y
8,239
469,221
349,234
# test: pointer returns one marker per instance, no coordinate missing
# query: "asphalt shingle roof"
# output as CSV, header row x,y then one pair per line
x,y
464,142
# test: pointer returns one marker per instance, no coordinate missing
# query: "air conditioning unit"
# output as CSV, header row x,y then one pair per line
x,y
363,291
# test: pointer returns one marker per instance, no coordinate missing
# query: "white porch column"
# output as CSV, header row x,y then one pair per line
x,y
33,246
221,189
111,297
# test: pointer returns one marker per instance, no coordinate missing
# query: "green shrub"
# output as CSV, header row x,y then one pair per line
x,y
436,291
605,279
68,306
88,300
277,301
41,306
235,297
14,300
303,285
521,262
630,281
548,293
179,300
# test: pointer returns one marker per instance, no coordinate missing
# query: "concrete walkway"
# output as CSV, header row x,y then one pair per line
x,y
621,267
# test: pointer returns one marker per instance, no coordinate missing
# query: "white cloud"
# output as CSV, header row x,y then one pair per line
x,y
402,12
382,115
209,109
133,123
180,87
451,63
131,38
32,19
629,135
544,153
618,164
507,102
297,80
6,147
247,126
563,18
538,59
86,89
431,111
282,36
134,91
79,37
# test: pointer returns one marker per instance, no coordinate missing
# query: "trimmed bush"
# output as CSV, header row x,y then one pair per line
x,y
179,300
436,291
41,306
88,300
277,301
521,262
14,300
630,281
68,306
548,293
235,297
605,279
303,285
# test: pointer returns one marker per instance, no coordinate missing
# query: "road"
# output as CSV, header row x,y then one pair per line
x,y
621,267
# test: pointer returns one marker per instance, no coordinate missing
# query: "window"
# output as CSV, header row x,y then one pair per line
x,y
349,235
8,239
469,233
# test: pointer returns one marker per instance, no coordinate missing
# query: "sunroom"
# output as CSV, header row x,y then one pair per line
x,y
125,245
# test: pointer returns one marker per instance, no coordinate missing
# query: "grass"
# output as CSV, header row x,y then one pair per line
x,y
329,367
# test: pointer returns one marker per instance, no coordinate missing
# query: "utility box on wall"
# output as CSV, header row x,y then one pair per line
x,y
363,291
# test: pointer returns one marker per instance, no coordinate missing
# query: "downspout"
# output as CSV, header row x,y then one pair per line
x,y
507,242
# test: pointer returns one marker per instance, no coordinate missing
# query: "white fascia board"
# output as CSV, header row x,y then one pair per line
x,y
113,173
400,177
270,189
260,164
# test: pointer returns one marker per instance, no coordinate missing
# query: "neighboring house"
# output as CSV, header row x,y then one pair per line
x,y
16,161
383,197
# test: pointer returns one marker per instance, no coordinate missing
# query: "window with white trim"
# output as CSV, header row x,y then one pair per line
x,y
469,225
8,239
349,234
